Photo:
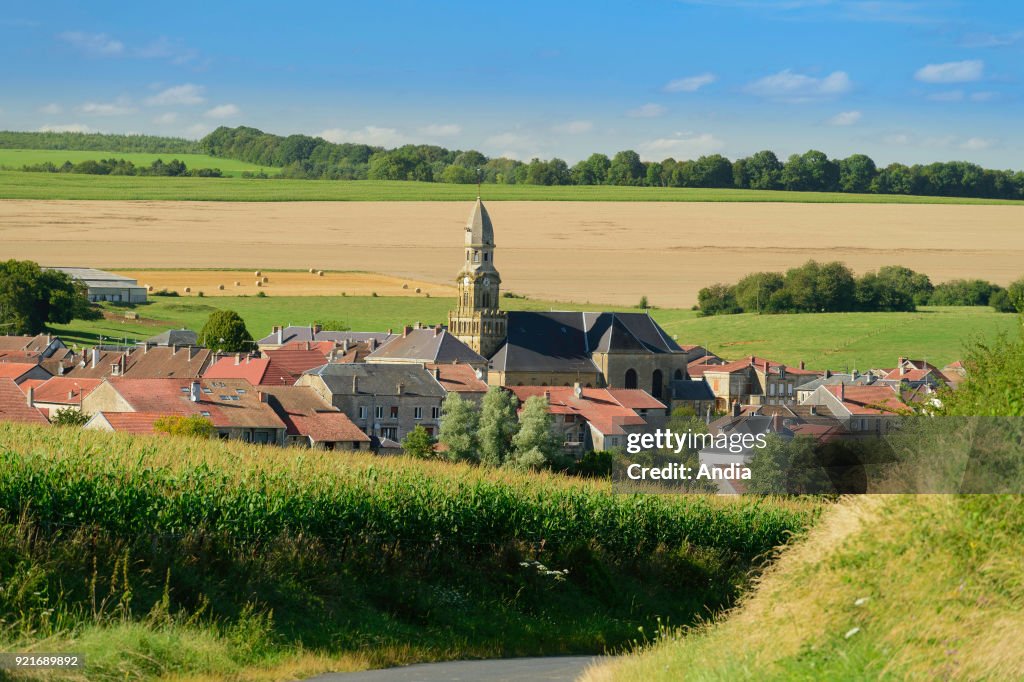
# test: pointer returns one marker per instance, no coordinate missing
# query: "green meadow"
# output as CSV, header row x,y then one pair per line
x,y
15,159
827,340
21,185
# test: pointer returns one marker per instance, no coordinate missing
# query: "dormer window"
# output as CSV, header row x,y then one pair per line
x,y
476,256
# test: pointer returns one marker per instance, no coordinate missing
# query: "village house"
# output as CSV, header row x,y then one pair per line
x,y
595,418
386,401
862,410
58,393
852,378
143,362
312,422
43,345
173,337
277,367
435,345
19,372
756,381
15,407
234,406
284,335
106,286
692,394
914,374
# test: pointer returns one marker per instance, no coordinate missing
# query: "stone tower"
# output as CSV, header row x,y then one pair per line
x,y
477,321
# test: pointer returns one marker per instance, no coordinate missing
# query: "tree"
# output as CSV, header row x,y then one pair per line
x,y
856,173
1015,292
835,288
418,443
718,299
754,292
626,169
534,446
811,172
1000,301
193,425
458,431
31,298
711,171
913,284
787,467
68,416
225,331
591,171
497,426
763,170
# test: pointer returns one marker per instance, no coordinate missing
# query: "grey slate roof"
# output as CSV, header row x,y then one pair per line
x,y
689,389
564,341
427,345
175,337
836,379
294,333
379,379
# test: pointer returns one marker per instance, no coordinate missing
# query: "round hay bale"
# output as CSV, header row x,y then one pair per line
x,y
405,286
149,287
220,287
319,273
259,283
311,270
265,280
188,290
258,273
418,290
237,283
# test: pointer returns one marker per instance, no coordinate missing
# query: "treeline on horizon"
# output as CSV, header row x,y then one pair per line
x,y
173,168
833,288
306,157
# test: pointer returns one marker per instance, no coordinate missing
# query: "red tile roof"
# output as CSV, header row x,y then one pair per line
x,y
13,370
229,402
598,406
869,399
63,390
322,347
251,369
14,406
458,378
636,399
132,422
305,413
288,364
757,363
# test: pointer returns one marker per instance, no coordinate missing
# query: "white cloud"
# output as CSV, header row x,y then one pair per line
x,y
121,107
976,144
51,109
649,110
788,86
976,40
951,72
845,118
984,96
441,130
223,111
66,128
198,130
947,96
166,119
164,48
681,145
690,83
574,127
186,94
93,43
371,135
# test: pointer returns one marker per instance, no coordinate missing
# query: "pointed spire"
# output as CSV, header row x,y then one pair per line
x,y
479,229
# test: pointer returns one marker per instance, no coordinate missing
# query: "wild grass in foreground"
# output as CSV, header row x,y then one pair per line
x,y
176,557
21,185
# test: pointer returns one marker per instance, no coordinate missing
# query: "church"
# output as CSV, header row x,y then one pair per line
x,y
526,348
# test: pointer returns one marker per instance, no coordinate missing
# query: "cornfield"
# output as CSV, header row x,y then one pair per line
x,y
134,487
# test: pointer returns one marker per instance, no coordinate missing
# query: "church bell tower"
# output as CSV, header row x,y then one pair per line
x,y
477,321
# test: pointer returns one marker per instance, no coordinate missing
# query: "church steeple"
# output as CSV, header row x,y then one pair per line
x,y
477,320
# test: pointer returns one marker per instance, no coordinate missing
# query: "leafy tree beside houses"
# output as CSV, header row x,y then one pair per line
x,y
225,331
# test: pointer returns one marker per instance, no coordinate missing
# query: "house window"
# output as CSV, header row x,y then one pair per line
x,y
435,412
394,411
771,389
389,432
380,412
362,412
417,413
789,388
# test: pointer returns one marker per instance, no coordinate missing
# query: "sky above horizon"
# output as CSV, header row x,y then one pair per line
x,y
900,81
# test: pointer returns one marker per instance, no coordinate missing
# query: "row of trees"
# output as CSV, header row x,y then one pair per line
x,y
492,434
31,298
174,168
832,288
302,156
100,142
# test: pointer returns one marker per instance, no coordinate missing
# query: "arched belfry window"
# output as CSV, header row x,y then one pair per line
x,y
656,382
630,378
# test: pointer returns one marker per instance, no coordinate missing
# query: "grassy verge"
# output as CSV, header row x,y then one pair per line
x,y
175,557
20,185
14,159
890,587
833,340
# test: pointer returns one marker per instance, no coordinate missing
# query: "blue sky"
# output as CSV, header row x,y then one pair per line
x,y
900,81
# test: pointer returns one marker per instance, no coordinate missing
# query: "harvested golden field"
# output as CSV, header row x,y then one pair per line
x,y
275,283
577,251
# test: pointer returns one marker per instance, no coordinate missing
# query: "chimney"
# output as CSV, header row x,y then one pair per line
x,y
802,365
853,375
60,369
814,410
577,390
262,396
280,335
419,325
390,331
30,397
736,408
71,395
195,391
437,373
373,344
400,388
842,390
406,330
317,329
753,359
355,383
766,367
344,346
95,357
238,359
828,374
547,395
437,330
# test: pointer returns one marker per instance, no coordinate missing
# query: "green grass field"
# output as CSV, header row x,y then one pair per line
x,y
834,340
20,185
14,159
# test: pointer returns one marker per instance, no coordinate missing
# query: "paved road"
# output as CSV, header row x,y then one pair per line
x,y
546,669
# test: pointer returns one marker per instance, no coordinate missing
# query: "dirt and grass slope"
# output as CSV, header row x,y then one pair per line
x,y
886,587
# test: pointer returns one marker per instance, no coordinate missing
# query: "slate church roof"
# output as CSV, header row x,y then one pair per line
x,y
565,341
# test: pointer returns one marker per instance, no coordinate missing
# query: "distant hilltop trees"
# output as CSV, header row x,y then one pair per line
x,y
306,157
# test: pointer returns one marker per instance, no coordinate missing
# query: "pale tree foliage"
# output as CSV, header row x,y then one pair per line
x,y
458,430
534,445
497,426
